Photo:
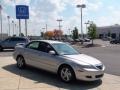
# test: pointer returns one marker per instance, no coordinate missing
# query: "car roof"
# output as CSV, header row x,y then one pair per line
x,y
49,41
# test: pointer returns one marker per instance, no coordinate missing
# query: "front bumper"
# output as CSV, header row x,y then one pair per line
x,y
89,75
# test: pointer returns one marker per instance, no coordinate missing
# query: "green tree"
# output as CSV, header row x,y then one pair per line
x,y
75,33
21,34
92,31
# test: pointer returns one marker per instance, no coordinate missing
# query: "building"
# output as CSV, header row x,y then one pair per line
x,y
108,31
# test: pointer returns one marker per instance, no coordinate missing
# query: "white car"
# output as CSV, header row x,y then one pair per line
x,y
59,58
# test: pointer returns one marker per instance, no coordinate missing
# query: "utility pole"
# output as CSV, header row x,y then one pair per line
x,y
1,19
8,25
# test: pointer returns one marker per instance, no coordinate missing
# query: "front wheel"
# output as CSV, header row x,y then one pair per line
x,y
20,62
66,74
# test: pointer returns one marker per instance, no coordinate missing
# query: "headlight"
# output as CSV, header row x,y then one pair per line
x,y
85,67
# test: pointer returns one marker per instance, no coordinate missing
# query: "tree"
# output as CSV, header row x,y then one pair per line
x,y
49,34
21,34
75,33
42,34
92,31
58,34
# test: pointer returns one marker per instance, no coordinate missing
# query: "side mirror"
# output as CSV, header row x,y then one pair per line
x,y
52,52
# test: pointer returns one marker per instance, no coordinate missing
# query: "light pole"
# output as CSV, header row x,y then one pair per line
x,y
26,27
81,7
46,27
43,32
8,25
87,26
69,32
13,27
1,19
16,29
59,21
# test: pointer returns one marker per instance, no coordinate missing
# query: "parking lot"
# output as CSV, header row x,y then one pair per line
x,y
11,78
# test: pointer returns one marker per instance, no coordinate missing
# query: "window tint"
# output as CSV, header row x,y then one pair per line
x,y
7,39
13,39
21,39
33,45
17,39
44,47
64,49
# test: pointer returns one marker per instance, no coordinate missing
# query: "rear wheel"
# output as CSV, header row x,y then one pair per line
x,y
66,74
20,62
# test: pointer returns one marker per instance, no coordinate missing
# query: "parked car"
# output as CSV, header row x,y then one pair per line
x,y
81,40
115,41
86,39
11,42
59,58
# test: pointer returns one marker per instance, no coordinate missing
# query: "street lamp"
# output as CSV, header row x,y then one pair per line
x,y
88,22
13,27
69,32
59,21
81,7
8,25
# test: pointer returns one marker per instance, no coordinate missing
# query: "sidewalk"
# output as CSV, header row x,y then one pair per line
x,y
11,78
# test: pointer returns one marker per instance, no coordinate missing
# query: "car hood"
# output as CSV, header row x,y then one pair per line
x,y
82,59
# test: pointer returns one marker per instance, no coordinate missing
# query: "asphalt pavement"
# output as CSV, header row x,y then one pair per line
x,y
110,56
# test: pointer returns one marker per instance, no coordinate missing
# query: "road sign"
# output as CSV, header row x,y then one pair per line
x,y
22,12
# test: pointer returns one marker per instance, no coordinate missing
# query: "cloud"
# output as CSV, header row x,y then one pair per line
x,y
48,11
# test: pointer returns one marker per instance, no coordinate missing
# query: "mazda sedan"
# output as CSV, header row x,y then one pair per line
x,y
59,58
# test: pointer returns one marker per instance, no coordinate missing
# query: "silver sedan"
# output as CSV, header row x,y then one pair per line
x,y
59,58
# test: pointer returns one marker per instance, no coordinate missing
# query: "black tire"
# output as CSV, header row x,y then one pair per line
x,y
1,49
70,75
20,62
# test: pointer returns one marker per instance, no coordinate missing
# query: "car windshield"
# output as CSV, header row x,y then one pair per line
x,y
64,49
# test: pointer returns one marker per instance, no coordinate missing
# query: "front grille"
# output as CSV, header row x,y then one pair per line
x,y
100,67
99,76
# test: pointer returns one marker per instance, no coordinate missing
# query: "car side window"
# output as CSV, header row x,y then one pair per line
x,y
44,47
33,45
7,40
12,39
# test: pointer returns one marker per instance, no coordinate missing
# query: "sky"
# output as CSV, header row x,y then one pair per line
x,y
42,12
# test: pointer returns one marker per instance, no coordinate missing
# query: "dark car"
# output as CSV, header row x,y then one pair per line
x,y
11,42
115,41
